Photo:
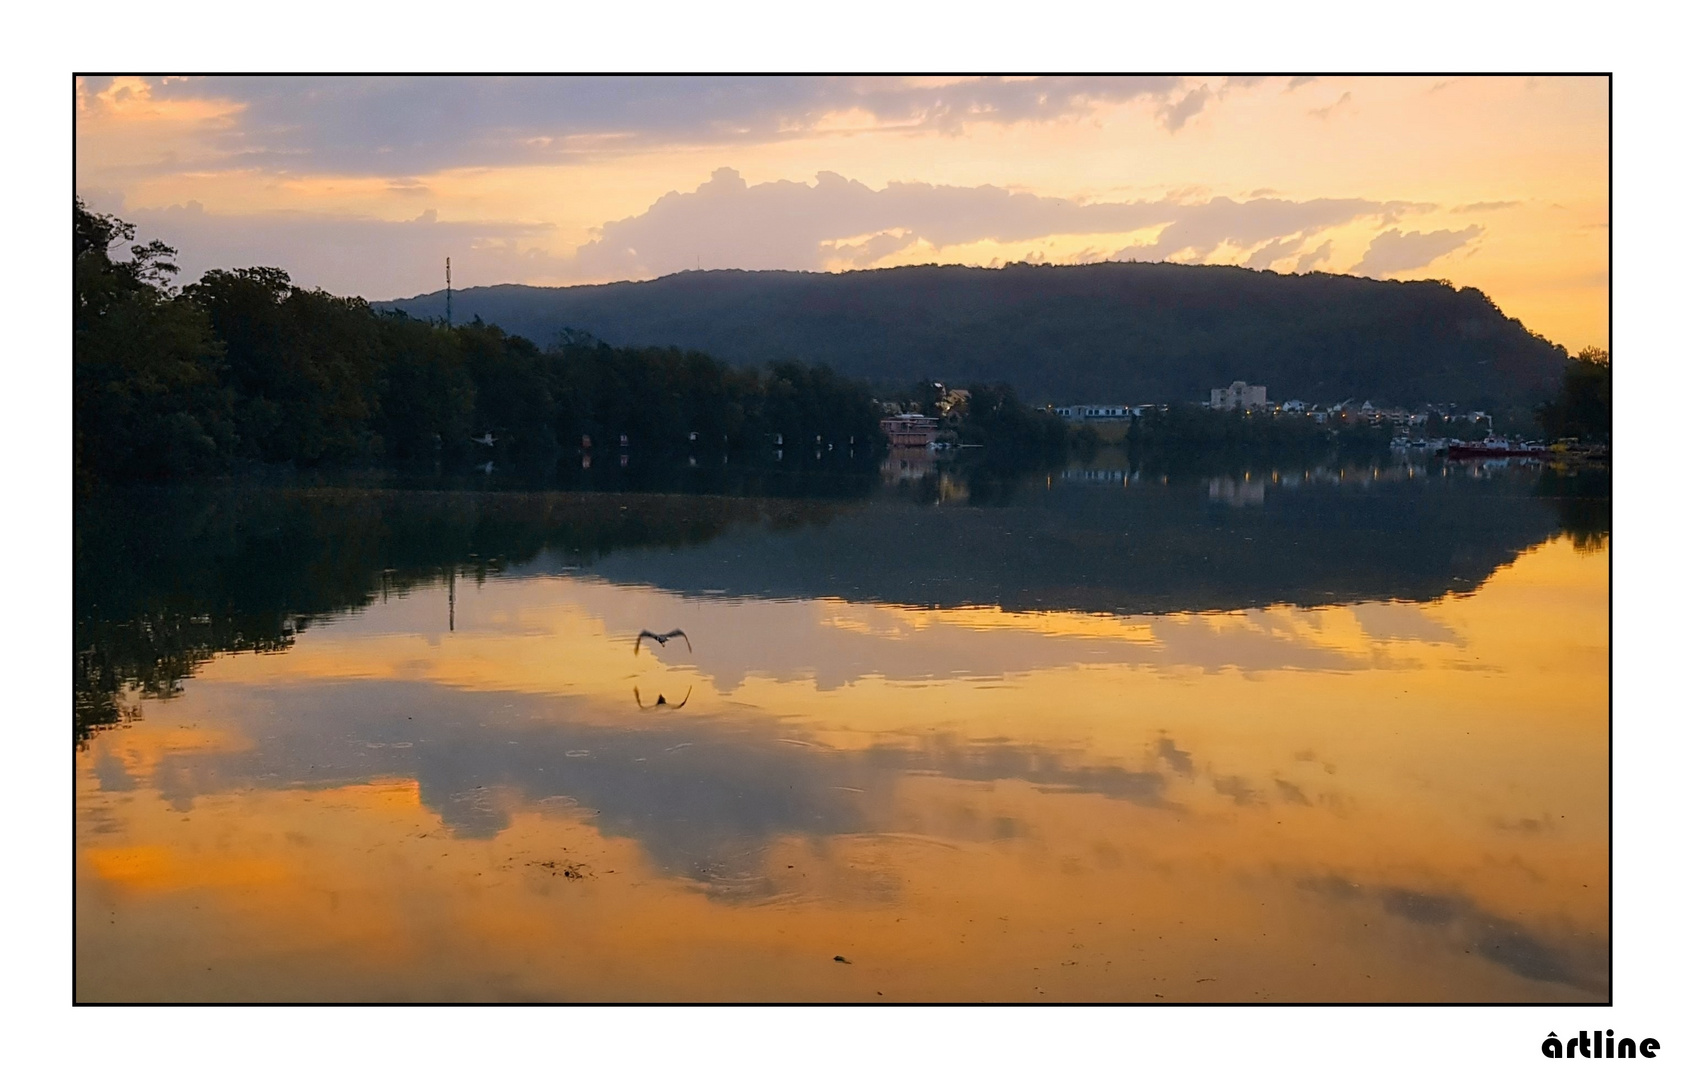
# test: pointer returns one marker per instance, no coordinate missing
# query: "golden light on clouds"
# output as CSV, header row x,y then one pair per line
x,y
1512,171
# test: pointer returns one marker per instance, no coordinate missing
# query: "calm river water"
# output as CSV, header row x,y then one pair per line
x,y
1078,736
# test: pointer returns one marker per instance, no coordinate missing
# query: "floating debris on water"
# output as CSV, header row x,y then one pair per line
x,y
573,871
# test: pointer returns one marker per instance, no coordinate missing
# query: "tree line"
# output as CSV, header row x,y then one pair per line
x,y
242,367
1581,408
1184,426
994,418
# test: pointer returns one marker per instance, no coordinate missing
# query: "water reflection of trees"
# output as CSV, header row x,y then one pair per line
x,y
166,579
1105,541
979,478
1182,460
826,472
1582,498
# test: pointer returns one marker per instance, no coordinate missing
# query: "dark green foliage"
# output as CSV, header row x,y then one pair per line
x,y
147,394
243,368
426,396
1117,333
672,404
657,397
1581,410
301,365
1006,428
1189,439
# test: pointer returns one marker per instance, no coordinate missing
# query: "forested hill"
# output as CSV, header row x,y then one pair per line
x,y
1103,332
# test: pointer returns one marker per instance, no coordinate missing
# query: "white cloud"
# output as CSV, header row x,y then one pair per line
x,y
1393,251
790,225
1196,231
1310,260
780,225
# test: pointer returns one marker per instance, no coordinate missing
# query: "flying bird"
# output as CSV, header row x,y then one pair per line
x,y
483,440
660,639
661,701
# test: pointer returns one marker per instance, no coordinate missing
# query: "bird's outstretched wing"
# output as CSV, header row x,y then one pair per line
x,y
638,699
684,699
642,634
680,633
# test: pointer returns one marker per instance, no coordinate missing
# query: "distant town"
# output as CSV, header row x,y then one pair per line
x,y
1249,398
1241,412
907,428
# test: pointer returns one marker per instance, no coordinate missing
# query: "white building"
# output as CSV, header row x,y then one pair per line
x,y
1239,395
1093,412
1294,406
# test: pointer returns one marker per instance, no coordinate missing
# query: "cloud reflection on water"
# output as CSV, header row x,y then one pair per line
x,y
1575,960
854,759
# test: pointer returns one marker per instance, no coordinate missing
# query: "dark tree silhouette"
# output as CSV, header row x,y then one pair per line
x,y
1582,407
244,368
147,394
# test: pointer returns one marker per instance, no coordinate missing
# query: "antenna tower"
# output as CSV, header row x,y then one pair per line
x,y
447,290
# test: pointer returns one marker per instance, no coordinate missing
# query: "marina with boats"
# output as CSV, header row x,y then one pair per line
x,y
1498,446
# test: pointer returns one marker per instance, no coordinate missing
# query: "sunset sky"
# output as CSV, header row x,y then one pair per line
x,y
365,185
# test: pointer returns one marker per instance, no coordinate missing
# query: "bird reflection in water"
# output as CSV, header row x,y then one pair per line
x,y
661,701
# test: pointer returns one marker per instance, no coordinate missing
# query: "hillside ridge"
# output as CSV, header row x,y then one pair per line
x,y
1096,332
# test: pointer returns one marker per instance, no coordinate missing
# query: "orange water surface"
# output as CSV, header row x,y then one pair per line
x,y
1371,801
